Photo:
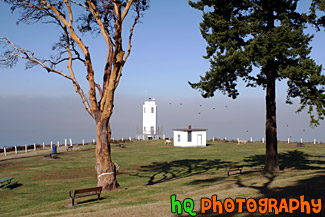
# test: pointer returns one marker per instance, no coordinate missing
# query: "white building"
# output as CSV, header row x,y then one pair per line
x,y
149,126
190,137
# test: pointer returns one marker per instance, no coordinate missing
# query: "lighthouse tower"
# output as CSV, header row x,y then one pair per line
x,y
149,128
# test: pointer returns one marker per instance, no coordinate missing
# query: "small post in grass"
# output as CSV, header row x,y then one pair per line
x,y
83,142
130,139
70,142
51,145
58,144
25,148
5,151
43,146
263,140
16,150
301,140
94,141
65,142
34,147
251,139
314,141
289,140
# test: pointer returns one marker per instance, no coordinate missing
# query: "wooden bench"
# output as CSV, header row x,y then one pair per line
x,y
234,168
300,144
85,193
69,148
7,182
121,145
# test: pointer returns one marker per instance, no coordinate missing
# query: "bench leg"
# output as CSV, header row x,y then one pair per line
x,y
72,201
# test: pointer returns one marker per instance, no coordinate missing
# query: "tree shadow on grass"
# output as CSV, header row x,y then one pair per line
x,y
167,171
16,185
291,159
311,188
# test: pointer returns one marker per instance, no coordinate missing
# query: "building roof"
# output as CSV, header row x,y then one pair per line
x,y
193,129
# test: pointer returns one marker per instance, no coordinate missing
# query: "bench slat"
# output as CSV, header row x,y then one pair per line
x,y
10,184
86,190
85,195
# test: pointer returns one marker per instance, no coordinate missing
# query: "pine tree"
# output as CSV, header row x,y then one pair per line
x,y
267,35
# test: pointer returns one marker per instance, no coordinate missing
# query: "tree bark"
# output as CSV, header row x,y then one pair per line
x,y
105,169
272,160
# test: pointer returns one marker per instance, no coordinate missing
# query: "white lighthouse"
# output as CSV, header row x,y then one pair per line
x,y
149,126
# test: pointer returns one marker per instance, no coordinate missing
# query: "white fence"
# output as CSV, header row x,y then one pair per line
x,y
35,147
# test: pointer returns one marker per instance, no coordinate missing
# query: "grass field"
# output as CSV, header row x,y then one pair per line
x,y
150,172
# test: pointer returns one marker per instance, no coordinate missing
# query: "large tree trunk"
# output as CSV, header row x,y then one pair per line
x,y
272,161
105,169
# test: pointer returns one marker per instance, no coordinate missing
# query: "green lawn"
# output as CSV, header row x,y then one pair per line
x,y
150,172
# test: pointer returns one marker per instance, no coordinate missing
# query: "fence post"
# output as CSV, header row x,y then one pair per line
x,y
51,145
301,140
289,140
34,147
25,148
58,144
43,146
251,139
83,142
130,139
263,140
16,149
70,142
314,141
5,151
65,142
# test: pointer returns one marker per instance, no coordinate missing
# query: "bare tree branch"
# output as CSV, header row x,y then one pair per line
x,y
79,4
131,34
105,33
99,90
126,9
22,53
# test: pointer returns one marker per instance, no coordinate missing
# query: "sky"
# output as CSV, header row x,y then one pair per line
x,y
37,107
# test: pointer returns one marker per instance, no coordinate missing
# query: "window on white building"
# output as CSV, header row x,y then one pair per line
x,y
189,136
